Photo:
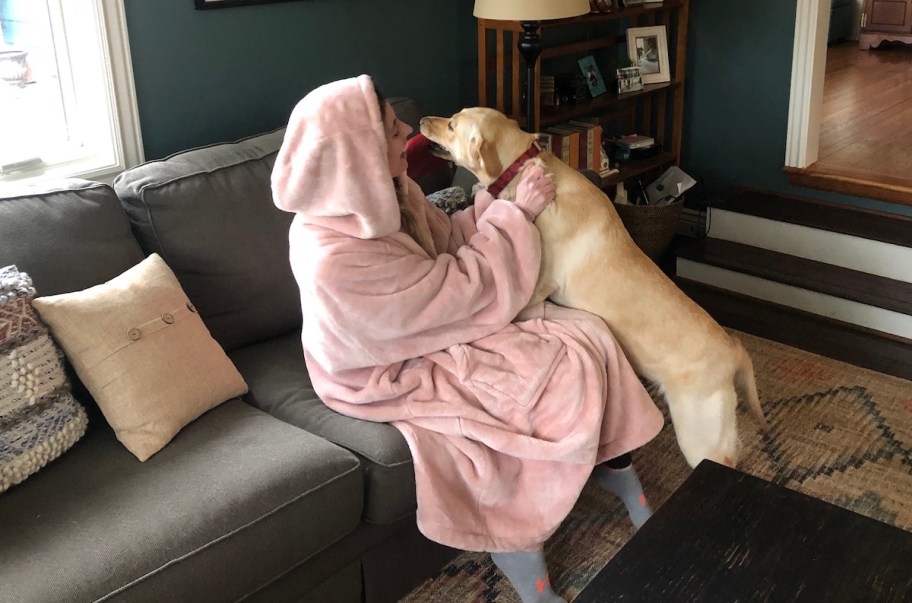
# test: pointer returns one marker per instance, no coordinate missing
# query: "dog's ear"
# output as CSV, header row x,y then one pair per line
x,y
486,153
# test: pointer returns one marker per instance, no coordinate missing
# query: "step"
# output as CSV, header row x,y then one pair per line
x,y
844,283
859,239
850,296
823,215
816,334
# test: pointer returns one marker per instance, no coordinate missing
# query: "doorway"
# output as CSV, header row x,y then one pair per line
x,y
850,122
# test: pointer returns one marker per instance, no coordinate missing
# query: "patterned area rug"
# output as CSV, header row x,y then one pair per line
x,y
838,432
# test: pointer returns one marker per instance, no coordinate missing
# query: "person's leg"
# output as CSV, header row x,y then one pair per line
x,y
619,477
528,573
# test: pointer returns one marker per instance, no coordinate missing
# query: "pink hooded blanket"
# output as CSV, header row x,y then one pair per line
x,y
505,417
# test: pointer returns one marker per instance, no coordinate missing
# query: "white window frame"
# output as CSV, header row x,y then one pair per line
x,y
120,89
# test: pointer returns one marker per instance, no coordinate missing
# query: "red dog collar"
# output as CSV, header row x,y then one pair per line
x,y
501,183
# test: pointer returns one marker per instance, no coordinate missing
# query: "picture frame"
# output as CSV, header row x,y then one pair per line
x,y
647,48
592,75
207,4
629,79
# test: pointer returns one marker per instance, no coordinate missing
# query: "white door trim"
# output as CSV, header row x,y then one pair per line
x,y
812,19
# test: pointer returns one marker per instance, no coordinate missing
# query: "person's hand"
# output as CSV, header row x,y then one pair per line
x,y
535,191
483,200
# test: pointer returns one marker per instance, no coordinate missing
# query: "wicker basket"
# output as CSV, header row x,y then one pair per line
x,y
651,226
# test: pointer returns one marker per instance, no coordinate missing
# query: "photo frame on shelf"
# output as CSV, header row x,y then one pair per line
x,y
629,79
593,76
601,6
647,48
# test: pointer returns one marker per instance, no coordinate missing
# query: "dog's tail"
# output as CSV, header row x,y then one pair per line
x,y
747,386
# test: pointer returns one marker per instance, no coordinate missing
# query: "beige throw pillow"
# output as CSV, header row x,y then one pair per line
x,y
143,352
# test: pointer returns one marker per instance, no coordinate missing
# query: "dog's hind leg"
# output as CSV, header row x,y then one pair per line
x,y
746,386
706,426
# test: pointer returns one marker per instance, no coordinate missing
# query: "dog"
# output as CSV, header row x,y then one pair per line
x,y
589,262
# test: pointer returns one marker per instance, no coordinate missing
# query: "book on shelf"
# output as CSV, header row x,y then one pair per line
x,y
547,95
581,139
593,142
635,141
565,144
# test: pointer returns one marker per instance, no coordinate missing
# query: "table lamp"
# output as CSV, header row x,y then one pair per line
x,y
530,14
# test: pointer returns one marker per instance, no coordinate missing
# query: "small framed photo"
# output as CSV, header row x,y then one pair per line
x,y
647,48
629,79
593,77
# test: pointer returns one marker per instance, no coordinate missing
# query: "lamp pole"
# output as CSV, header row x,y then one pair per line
x,y
530,47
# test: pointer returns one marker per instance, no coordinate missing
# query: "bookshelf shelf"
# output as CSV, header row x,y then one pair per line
x,y
600,104
630,170
656,110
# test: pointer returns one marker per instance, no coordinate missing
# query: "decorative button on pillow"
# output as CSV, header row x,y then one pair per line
x,y
143,353
39,419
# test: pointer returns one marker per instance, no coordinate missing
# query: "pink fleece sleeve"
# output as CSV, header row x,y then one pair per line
x,y
380,301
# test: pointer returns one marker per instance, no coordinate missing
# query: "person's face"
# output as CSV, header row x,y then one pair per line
x,y
396,134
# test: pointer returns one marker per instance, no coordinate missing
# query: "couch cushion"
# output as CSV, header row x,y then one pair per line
x,y
209,213
141,349
39,419
66,235
236,485
279,384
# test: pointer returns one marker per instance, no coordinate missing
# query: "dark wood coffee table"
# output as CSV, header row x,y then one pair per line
x,y
727,536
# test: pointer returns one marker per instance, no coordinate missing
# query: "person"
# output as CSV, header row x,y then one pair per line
x,y
419,319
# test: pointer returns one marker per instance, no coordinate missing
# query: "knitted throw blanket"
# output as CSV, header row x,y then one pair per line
x,y
39,419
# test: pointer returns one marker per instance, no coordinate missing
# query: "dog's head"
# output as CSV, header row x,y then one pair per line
x,y
482,140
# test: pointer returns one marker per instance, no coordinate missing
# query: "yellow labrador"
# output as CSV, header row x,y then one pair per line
x,y
590,262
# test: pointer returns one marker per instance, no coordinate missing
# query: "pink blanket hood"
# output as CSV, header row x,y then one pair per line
x,y
504,418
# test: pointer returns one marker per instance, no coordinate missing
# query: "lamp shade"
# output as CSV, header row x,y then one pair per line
x,y
529,10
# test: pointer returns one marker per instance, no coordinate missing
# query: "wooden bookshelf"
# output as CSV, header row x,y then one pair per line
x,y
656,110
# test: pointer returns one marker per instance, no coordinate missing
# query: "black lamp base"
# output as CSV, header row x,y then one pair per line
x,y
530,48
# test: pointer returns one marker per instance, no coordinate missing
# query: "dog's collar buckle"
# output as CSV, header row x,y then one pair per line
x,y
496,187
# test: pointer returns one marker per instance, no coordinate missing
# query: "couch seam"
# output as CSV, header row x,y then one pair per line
x,y
358,452
303,561
295,566
224,537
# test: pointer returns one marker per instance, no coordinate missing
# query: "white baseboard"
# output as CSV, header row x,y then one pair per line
x,y
864,255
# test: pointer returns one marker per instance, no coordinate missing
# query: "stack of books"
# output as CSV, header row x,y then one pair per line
x,y
576,143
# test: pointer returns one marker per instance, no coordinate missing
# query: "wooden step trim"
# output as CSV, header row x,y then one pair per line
x,y
847,182
844,283
817,334
834,217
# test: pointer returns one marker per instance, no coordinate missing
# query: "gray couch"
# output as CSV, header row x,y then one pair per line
x,y
273,497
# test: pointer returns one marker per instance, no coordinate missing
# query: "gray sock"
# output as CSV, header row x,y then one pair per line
x,y
528,574
625,484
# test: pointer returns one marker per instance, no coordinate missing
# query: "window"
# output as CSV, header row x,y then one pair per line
x,y
67,101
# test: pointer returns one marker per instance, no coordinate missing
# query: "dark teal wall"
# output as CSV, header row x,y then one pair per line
x,y
737,97
215,75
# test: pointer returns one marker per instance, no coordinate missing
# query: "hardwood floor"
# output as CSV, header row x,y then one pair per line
x,y
867,110
866,129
